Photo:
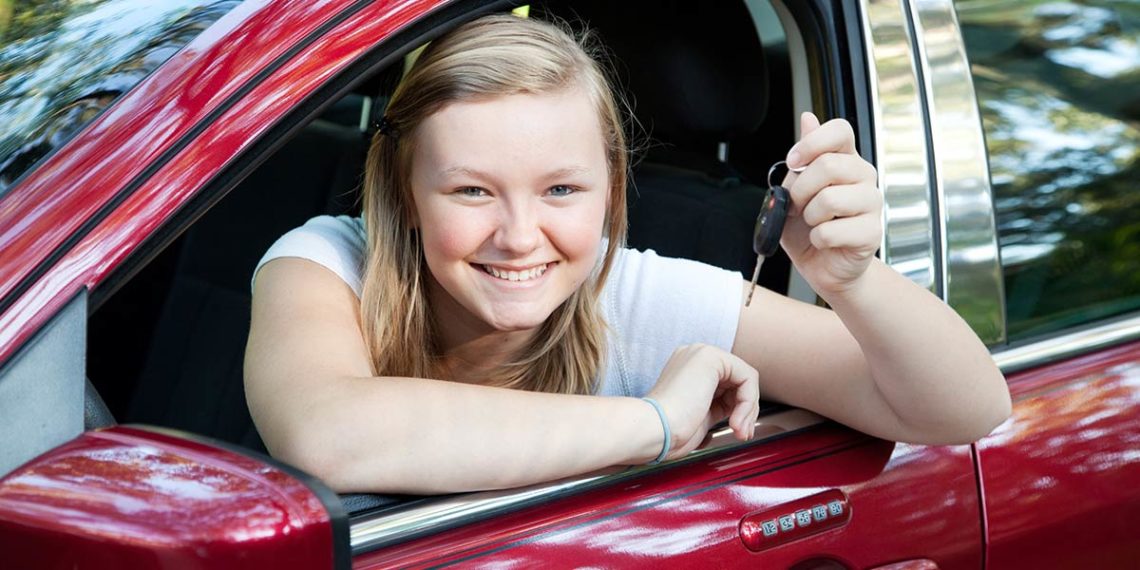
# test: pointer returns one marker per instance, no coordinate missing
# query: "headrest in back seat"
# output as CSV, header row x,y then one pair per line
x,y
695,69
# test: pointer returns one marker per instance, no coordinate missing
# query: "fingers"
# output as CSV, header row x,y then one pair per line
x,y
860,234
728,387
842,201
745,398
835,135
808,123
831,169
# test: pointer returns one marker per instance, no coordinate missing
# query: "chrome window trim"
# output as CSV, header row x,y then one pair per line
x,y
900,144
972,277
1069,344
372,532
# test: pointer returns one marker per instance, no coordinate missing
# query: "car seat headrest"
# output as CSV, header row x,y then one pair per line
x,y
695,70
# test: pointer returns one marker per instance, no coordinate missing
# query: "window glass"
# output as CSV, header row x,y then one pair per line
x,y
63,61
1058,85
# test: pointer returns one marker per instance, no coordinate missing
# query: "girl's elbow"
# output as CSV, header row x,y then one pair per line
x,y
992,413
1001,409
314,455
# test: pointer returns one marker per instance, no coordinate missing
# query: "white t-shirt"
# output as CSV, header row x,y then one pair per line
x,y
652,304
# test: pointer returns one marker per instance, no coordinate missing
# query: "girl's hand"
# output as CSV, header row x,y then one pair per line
x,y
834,223
702,385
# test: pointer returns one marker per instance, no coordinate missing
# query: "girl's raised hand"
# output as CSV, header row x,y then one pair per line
x,y
834,224
702,385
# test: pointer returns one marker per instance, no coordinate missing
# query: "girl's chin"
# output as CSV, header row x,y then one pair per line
x,y
516,323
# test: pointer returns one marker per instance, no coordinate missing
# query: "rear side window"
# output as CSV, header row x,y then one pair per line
x,y
1058,85
63,61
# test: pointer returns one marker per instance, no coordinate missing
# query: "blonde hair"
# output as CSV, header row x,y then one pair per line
x,y
492,56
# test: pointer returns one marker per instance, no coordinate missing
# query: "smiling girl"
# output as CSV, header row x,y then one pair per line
x,y
482,326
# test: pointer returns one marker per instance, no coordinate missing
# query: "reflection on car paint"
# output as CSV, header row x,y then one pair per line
x,y
62,63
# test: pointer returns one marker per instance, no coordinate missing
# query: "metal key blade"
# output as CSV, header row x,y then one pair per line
x,y
755,275
769,226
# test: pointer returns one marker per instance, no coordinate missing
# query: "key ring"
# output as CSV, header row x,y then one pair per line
x,y
785,163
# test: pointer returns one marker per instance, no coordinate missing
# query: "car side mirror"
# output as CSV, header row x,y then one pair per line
x,y
142,497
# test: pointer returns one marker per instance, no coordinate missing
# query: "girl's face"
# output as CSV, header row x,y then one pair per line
x,y
510,199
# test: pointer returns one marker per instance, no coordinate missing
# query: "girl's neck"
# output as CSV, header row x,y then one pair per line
x,y
470,350
474,359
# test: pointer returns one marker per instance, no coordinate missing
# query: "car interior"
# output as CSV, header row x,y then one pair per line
x,y
704,84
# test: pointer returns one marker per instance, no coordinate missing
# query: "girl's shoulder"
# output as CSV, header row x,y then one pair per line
x,y
337,243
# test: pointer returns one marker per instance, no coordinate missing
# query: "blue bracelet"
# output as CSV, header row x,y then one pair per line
x,y
668,434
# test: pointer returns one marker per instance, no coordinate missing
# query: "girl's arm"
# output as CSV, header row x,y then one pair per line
x,y
316,405
891,359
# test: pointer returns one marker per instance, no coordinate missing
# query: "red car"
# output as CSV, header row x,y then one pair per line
x,y
151,152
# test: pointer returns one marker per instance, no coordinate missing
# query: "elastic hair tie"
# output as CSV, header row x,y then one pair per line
x,y
386,128
668,433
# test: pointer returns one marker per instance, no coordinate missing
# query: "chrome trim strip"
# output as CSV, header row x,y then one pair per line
x,y
1068,345
973,281
384,529
900,143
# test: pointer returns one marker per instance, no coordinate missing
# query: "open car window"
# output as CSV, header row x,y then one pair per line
x,y
188,309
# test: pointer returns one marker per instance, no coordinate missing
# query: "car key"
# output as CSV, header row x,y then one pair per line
x,y
769,225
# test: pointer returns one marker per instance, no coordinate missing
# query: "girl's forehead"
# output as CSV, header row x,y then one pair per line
x,y
514,131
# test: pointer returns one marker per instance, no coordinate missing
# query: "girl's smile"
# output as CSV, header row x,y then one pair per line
x,y
521,276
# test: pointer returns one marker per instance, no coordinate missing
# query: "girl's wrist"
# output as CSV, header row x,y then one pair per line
x,y
646,438
667,437
855,291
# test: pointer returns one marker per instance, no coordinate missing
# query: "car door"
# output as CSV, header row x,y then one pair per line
x,y
808,493
1058,85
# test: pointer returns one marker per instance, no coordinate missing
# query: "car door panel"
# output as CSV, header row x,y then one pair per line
x,y
905,502
1062,475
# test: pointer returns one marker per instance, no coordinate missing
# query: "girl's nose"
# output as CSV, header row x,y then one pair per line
x,y
519,230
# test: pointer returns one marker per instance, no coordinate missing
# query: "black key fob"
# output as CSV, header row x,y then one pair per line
x,y
770,222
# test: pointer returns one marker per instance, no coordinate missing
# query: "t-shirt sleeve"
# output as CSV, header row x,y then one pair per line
x,y
661,303
336,243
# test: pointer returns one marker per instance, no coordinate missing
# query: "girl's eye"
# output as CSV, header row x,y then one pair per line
x,y
562,190
472,191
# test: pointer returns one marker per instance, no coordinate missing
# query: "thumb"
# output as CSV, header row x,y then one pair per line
x,y
808,123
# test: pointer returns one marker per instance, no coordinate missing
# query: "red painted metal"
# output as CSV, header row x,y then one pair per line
x,y
130,498
48,206
910,565
795,520
59,196
1062,475
906,502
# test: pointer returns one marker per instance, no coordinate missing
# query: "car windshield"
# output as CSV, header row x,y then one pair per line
x,y
62,62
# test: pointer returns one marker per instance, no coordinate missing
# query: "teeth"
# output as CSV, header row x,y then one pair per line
x,y
525,275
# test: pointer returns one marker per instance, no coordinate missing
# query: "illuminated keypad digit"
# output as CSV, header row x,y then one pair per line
x,y
769,528
835,508
803,518
787,522
819,513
